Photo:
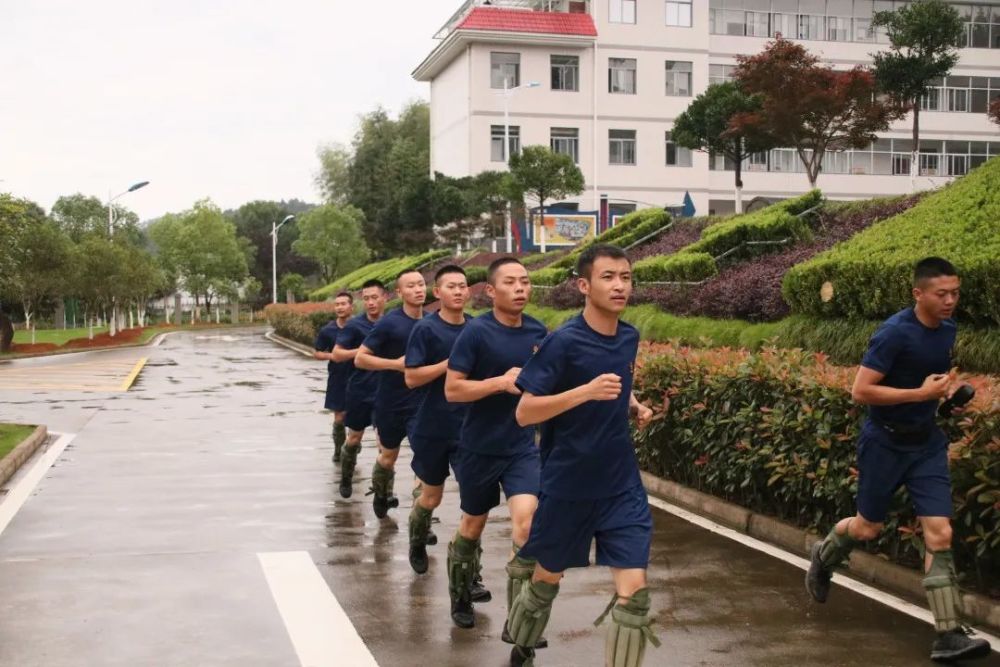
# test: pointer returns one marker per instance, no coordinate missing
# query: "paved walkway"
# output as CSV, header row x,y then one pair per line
x,y
195,520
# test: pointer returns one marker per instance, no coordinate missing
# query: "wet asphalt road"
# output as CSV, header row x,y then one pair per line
x,y
139,547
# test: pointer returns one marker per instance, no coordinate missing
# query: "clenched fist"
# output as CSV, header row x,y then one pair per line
x,y
606,387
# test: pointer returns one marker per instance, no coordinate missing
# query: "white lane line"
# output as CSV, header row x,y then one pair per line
x,y
887,599
17,496
319,628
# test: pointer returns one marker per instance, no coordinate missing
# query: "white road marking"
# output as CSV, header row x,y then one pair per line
x,y
22,490
887,599
320,630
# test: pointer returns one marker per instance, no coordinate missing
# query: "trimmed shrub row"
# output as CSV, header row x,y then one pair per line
x,y
386,271
681,267
775,431
868,276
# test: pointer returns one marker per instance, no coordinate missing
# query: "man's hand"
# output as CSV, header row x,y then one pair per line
x,y
642,415
606,387
936,386
401,367
508,379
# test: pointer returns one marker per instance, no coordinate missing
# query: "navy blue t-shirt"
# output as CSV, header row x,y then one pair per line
x,y
325,340
387,339
360,383
906,352
431,342
587,452
486,349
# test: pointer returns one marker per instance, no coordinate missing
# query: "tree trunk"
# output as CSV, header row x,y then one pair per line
x,y
915,155
739,176
178,309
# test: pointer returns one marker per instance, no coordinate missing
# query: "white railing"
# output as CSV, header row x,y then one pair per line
x,y
468,5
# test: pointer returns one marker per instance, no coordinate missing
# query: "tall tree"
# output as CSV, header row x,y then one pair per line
x,y
253,222
707,125
333,178
331,236
38,273
924,38
540,174
808,106
79,215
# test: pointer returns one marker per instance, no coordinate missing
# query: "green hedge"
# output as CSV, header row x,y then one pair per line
x,y
680,267
773,223
386,271
475,274
629,229
869,275
299,327
550,275
775,432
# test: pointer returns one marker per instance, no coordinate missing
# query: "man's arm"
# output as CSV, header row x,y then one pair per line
x,y
642,414
369,361
868,391
341,354
533,409
458,388
323,356
421,375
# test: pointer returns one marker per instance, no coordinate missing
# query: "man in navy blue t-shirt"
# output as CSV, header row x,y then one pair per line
x,y
383,353
578,386
494,452
903,375
359,404
437,424
336,380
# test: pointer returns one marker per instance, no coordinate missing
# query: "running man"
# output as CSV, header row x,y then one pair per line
x,y
903,375
336,379
579,387
359,405
494,452
383,353
436,427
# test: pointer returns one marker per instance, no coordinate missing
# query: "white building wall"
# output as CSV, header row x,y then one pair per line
x,y
450,119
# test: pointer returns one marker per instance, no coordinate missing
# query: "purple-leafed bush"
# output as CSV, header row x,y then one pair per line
x,y
684,232
752,290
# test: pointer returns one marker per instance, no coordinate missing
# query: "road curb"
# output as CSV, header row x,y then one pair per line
x,y
289,343
17,456
870,569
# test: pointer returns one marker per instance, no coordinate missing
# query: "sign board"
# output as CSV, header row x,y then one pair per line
x,y
565,229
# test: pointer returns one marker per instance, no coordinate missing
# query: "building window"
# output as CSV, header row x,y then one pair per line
x,y
720,73
621,11
566,140
677,156
621,75
758,24
497,153
565,72
679,78
621,146
505,67
679,13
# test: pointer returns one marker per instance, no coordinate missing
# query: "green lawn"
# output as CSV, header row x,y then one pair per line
x,y
57,336
11,436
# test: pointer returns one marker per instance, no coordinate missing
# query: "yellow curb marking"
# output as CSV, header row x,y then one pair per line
x,y
127,383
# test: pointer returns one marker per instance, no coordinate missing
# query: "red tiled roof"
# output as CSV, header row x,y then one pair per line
x,y
520,20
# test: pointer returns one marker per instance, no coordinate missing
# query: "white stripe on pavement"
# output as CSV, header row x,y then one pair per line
x,y
319,628
887,599
22,490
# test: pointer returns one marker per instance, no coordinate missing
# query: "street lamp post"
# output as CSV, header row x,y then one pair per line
x,y
274,257
113,322
507,92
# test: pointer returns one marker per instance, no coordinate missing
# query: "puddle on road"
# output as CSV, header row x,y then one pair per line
x,y
247,383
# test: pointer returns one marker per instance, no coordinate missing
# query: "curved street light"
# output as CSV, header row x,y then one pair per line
x,y
274,257
113,324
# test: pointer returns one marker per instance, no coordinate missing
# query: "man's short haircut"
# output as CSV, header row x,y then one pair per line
x,y
403,273
445,270
374,282
585,263
350,297
930,268
495,265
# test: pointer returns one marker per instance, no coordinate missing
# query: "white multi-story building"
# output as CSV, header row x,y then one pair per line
x,y
603,80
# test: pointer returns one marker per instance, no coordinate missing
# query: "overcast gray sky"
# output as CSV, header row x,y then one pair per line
x,y
204,98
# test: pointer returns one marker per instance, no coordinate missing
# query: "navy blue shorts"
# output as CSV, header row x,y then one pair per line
x,y
884,467
393,426
562,531
359,413
336,398
481,476
431,458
